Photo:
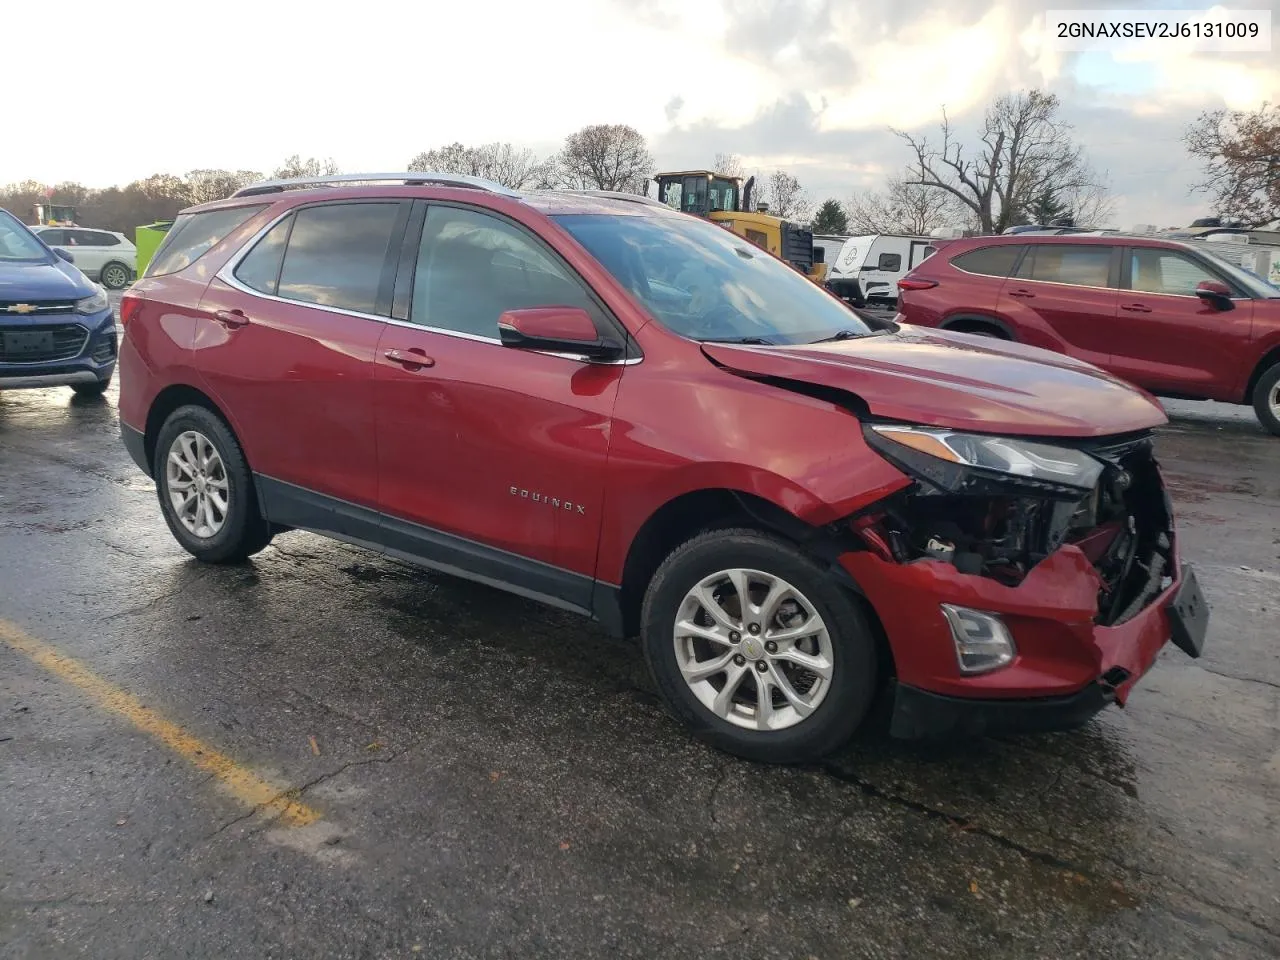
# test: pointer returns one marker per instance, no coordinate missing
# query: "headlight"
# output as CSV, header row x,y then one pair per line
x,y
976,463
93,304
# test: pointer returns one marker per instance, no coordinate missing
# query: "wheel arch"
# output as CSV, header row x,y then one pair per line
x,y
1268,360
170,399
960,321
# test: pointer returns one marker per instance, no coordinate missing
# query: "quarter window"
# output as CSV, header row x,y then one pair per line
x,y
194,233
1163,271
1079,265
989,261
336,255
260,270
473,267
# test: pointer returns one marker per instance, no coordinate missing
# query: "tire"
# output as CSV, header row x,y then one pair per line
x,y
242,530
834,707
115,276
90,390
980,330
1266,399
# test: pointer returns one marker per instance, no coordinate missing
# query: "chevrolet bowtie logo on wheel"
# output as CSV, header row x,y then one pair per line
x,y
21,308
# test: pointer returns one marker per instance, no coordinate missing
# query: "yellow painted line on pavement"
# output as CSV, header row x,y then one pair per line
x,y
245,786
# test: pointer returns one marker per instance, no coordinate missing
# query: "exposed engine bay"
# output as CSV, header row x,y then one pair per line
x,y
1124,526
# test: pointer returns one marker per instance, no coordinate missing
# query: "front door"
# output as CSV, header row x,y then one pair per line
x,y
491,459
1063,297
286,346
1169,340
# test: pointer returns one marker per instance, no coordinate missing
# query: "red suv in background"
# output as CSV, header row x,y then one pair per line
x,y
624,411
1172,318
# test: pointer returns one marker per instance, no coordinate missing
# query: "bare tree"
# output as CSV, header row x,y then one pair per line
x,y
606,156
1240,151
204,186
1023,149
785,197
500,162
904,208
729,164
295,167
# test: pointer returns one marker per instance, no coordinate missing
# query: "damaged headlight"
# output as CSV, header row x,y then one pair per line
x,y
975,463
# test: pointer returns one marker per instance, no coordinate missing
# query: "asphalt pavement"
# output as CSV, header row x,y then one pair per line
x,y
324,753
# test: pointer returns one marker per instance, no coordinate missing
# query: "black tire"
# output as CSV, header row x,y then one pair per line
x,y
1263,392
244,530
853,648
90,390
115,275
980,330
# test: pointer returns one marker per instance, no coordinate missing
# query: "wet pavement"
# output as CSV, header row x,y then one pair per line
x,y
484,777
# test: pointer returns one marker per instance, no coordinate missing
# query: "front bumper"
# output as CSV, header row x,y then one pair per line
x,y
95,362
920,714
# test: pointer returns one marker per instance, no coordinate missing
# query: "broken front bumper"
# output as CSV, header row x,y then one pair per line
x,y
1067,667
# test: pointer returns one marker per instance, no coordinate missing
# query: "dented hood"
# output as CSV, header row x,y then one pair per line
x,y
932,377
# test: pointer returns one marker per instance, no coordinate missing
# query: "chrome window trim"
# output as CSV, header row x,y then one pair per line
x,y
227,276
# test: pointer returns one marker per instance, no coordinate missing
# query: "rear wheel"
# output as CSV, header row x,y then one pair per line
x,y
979,329
206,490
1266,399
115,276
756,648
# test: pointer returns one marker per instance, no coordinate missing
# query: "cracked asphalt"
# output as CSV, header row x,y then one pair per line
x,y
497,779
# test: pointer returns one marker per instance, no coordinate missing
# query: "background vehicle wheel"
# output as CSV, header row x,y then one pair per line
x,y
205,488
1266,399
980,330
115,276
91,389
784,677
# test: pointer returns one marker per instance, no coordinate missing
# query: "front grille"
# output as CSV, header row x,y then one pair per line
x,y
35,308
66,341
106,348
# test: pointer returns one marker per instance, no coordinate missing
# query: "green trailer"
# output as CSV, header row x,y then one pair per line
x,y
147,239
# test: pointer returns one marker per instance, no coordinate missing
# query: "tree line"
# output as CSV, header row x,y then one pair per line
x,y
1022,165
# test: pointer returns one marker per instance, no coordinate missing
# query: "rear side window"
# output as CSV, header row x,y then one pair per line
x,y
989,261
336,254
1079,265
194,233
260,270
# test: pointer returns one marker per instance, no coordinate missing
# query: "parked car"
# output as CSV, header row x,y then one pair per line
x,y
107,257
56,326
627,412
1168,316
865,270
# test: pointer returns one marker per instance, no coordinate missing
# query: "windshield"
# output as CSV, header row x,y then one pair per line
x,y
17,243
1255,285
705,283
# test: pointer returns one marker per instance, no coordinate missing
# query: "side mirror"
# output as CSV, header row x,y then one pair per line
x,y
1214,294
559,329
64,254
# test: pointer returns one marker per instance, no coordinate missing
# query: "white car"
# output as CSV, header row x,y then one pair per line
x,y
107,257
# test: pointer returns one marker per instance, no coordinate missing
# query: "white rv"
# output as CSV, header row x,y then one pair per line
x,y
866,270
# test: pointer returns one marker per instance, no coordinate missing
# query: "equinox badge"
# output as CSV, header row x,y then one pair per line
x,y
552,502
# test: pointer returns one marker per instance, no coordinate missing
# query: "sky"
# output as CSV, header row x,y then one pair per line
x,y
812,86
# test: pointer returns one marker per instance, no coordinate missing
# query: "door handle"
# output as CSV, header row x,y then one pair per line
x,y
1022,294
411,359
231,319
1135,308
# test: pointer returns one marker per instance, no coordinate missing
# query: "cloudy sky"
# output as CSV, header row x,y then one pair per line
x,y
809,85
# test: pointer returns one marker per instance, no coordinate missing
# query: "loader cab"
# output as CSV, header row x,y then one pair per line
x,y
700,192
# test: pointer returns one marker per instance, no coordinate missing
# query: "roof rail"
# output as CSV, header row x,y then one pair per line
x,y
419,178
617,195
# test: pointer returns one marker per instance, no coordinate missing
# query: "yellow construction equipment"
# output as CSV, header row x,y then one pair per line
x,y
726,200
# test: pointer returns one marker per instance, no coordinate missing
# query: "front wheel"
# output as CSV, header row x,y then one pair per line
x,y
1266,399
756,648
205,488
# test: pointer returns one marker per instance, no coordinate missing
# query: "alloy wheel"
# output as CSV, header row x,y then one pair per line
x,y
753,649
197,484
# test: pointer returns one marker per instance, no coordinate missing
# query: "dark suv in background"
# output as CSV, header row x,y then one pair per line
x,y
1167,316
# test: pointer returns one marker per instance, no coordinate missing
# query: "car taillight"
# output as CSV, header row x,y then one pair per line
x,y
129,307
913,283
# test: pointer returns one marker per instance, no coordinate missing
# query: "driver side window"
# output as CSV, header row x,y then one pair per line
x,y
472,267
1163,271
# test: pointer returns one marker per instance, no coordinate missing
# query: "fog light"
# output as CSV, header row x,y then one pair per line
x,y
982,640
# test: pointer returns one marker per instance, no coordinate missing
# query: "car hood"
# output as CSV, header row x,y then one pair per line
x,y
943,379
56,280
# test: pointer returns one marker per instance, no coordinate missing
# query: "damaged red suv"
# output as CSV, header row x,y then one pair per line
x,y
624,411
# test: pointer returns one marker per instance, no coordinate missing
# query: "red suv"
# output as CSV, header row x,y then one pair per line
x,y
621,410
1171,317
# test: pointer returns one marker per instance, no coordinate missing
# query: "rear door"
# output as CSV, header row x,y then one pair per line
x,y
491,459
1063,296
89,250
286,345
1169,340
